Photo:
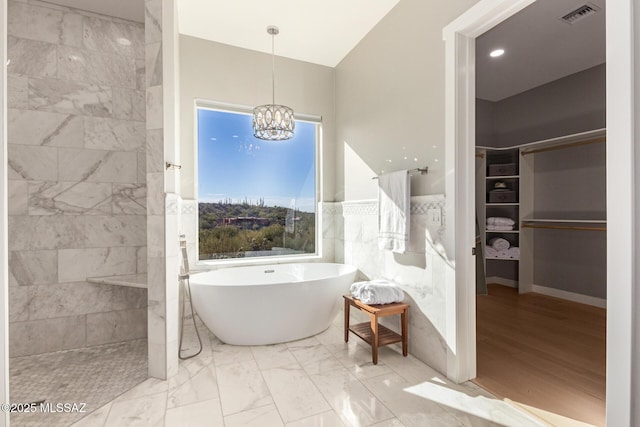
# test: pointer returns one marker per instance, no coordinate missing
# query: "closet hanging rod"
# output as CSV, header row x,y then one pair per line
x,y
564,227
562,146
421,171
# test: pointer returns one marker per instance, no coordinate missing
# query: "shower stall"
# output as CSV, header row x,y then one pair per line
x,y
77,162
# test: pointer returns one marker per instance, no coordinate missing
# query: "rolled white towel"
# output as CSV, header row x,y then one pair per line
x,y
497,220
380,292
491,253
499,227
498,243
514,252
504,253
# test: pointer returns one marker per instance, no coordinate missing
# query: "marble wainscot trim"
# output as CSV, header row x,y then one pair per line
x,y
129,280
419,205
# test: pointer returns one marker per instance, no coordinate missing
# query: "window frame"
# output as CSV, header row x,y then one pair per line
x,y
204,104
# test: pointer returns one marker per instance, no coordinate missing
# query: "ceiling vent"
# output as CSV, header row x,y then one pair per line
x,y
580,13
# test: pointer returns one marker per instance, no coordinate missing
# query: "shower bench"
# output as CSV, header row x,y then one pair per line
x,y
371,332
128,280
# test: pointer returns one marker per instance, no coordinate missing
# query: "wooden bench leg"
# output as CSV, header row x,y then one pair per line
x,y
346,320
374,344
405,330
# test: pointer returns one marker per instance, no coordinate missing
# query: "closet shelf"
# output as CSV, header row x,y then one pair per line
x,y
502,204
565,227
498,231
503,177
502,259
566,220
592,136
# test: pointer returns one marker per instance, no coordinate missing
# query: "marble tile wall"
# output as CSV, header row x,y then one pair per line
x,y
163,208
417,272
77,177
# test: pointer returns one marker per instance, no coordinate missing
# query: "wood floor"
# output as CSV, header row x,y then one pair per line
x,y
543,352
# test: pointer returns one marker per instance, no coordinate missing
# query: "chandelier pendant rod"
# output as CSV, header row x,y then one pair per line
x,y
273,70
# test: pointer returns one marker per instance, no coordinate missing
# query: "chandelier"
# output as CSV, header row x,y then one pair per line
x,y
273,122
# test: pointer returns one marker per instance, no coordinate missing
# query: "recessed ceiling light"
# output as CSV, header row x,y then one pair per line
x,y
496,53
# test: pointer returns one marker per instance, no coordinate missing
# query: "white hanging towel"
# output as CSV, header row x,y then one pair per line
x,y
394,198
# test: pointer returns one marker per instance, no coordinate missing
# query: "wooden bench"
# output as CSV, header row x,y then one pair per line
x,y
372,333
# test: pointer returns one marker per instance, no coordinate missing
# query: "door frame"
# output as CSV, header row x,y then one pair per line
x,y
4,253
459,38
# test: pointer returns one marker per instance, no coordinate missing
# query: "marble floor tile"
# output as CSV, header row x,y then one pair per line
x,y
468,407
96,418
187,370
202,386
303,343
315,359
409,368
394,422
294,393
241,387
325,419
356,357
146,388
314,382
224,354
351,400
411,409
201,414
147,411
272,356
258,417
332,335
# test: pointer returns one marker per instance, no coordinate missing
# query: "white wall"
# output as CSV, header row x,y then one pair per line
x,y
622,245
390,100
635,403
420,272
390,105
223,73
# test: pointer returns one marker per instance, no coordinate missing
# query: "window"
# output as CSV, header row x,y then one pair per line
x,y
255,198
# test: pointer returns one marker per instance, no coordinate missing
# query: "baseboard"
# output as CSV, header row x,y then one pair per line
x,y
570,296
502,281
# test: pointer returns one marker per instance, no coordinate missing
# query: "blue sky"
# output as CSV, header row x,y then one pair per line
x,y
233,163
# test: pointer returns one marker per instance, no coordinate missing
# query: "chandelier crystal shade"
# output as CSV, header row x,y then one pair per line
x,y
273,122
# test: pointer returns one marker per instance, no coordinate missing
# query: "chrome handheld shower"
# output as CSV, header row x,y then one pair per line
x,y
183,279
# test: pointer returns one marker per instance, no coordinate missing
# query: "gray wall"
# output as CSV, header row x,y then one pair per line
x,y
223,73
573,104
570,183
485,132
77,188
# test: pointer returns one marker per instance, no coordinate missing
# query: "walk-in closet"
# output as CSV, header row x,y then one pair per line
x,y
541,211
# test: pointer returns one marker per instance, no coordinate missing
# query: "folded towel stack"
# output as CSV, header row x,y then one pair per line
x,y
378,291
492,220
499,227
510,253
500,224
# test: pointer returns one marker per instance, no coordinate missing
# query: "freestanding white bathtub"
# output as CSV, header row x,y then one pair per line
x,y
270,304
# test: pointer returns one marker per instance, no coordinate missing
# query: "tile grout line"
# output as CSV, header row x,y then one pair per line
x,y
275,405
